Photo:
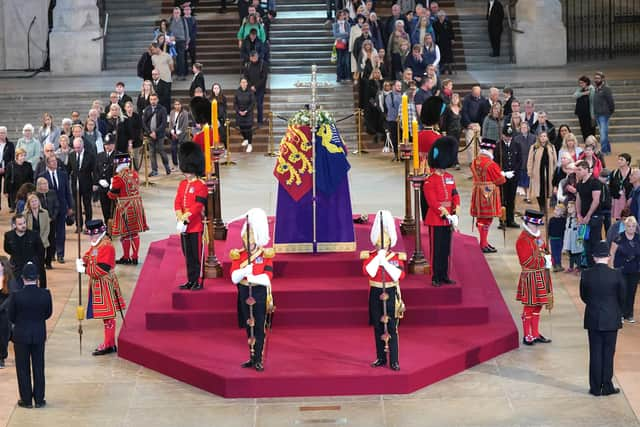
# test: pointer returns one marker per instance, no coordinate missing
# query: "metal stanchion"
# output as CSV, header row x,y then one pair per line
x,y
359,113
145,159
270,151
227,157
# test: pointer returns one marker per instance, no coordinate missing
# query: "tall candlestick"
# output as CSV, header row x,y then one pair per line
x,y
214,122
416,154
405,118
207,150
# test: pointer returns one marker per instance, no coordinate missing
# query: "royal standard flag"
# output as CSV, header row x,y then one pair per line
x,y
294,167
332,165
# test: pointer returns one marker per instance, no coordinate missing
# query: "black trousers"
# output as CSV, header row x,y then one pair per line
x,y
586,126
50,252
191,251
259,293
602,347
595,235
393,133
495,33
87,209
105,205
30,360
631,282
441,251
509,197
376,312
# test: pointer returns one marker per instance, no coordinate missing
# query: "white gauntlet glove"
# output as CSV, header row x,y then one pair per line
x,y
80,266
508,174
103,183
453,220
181,227
547,262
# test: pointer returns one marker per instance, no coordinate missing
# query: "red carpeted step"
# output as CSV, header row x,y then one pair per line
x,y
318,317
312,293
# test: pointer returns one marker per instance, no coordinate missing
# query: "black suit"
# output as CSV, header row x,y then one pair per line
x,y
163,90
125,98
65,202
602,289
29,308
198,81
86,174
6,157
495,16
104,170
156,144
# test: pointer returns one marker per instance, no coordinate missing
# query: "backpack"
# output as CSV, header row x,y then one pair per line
x,y
605,199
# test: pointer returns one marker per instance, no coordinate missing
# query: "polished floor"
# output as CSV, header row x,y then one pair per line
x,y
544,385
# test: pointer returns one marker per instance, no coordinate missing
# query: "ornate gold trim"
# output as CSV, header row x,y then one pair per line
x,y
293,247
308,247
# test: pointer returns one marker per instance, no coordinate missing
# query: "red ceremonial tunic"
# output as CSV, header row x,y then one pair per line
x,y
191,198
485,195
426,138
129,217
261,258
440,191
395,258
105,297
198,139
534,286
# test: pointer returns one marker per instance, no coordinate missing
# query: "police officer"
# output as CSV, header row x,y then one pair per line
x,y
509,157
103,175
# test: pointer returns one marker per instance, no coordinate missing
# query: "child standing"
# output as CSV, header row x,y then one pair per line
x,y
556,231
571,242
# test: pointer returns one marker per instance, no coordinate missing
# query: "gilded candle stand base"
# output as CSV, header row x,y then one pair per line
x,y
418,263
212,267
408,225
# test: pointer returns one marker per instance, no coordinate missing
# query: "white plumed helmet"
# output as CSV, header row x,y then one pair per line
x,y
389,228
259,225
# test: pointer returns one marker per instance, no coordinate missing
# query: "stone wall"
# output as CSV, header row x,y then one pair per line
x,y
544,41
15,18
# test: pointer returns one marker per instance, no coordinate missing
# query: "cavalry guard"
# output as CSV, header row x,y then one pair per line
x,y
252,271
384,268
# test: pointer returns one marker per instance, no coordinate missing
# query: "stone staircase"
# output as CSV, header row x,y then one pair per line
x,y
130,31
300,39
471,24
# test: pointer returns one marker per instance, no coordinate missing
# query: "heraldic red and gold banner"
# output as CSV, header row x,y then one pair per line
x,y
294,166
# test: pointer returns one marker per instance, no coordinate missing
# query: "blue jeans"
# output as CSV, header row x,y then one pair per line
x,y
343,64
556,250
603,126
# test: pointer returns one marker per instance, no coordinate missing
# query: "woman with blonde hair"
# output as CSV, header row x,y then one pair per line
x,y
541,165
38,220
8,285
625,253
115,126
145,92
64,150
571,147
492,124
17,173
589,155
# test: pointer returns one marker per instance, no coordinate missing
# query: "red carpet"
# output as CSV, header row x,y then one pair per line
x,y
320,343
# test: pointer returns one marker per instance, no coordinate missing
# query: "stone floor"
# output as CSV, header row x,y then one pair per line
x,y
545,385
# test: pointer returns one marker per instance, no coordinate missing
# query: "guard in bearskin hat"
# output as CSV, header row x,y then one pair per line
x,y
190,205
534,287
252,271
105,298
128,218
384,268
430,118
201,112
444,201
486,202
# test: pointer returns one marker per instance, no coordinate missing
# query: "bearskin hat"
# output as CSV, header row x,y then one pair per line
x,y
431,111
200,109
191,158
443,153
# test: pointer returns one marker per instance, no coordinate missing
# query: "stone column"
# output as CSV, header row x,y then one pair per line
x,y
544,41
73,52
16,17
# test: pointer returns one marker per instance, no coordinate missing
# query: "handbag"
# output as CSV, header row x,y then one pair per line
x,y
340,44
